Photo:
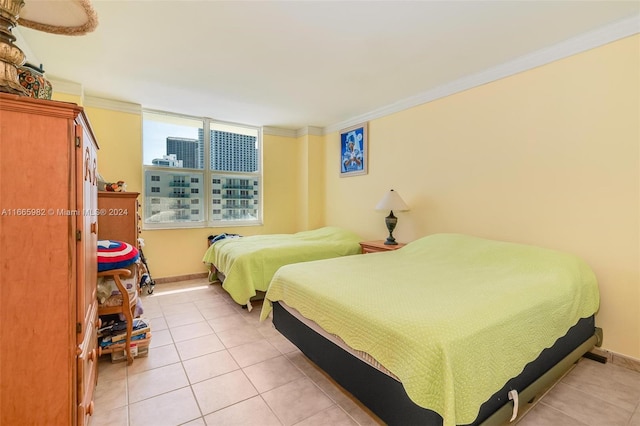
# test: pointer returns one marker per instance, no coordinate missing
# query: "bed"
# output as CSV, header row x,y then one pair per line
x,y
444,331
245,265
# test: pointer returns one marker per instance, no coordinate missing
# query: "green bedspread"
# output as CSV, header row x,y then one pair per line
x,y
249,263
454,317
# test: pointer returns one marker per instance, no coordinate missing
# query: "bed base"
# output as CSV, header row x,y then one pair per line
x,y
386,397
215,276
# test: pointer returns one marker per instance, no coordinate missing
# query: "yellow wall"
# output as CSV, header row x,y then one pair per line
x,y
281,182
65,97
548,157
311,182
119,138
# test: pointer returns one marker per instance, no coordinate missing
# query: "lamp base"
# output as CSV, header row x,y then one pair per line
x,y
390,241
391,222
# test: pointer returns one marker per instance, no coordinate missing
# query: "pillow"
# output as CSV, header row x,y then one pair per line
x,y
115,254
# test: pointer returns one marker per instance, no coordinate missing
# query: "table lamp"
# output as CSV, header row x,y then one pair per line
x,y
391,201
66,17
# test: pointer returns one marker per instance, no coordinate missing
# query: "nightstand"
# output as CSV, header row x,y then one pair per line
x,y
377,246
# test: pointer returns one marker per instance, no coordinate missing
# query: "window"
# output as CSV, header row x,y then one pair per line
x,y
181,155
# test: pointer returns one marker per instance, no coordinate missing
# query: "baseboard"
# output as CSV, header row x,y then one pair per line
x,y
187,277
618,359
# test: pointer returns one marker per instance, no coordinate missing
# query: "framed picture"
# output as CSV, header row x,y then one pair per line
x,y
354,150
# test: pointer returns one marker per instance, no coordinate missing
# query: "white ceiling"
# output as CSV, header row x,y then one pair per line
x,y
302,63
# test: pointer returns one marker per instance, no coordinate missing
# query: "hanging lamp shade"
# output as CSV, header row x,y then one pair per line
x,y
66,17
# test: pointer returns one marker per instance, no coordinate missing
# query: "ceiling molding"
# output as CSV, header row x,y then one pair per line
x,y
291,133
310,130
128,107
64,86
572,46
276,131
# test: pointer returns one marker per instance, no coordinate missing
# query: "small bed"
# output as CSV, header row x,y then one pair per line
x,y
245,265
444,331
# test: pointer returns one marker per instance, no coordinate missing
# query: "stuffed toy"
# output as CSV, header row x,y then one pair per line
x,y
115,187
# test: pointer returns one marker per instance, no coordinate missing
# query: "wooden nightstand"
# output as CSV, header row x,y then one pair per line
x,y
379,245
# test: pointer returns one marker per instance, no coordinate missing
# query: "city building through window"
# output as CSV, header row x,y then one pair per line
x,y
190,161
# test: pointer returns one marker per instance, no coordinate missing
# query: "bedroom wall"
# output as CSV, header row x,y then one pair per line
x,y
120,155
311,183
548,157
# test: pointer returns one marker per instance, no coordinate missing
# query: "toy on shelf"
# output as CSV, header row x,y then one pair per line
x,y
119,186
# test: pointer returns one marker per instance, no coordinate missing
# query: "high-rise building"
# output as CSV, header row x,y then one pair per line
x,y
233,197
233,152
187,150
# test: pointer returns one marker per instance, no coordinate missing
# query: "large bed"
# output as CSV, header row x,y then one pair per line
x,y
444,331
245,265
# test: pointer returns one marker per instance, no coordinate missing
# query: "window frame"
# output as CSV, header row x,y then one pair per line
x,y
207,174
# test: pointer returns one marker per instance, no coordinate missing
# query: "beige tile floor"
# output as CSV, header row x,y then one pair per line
x,y
212,363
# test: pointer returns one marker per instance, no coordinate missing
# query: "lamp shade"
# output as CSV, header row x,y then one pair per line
x,y
392,201
66,17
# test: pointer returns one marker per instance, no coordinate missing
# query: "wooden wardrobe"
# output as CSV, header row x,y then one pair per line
x,y
48,264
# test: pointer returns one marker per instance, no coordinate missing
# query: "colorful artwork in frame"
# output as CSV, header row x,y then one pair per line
x,y
354,150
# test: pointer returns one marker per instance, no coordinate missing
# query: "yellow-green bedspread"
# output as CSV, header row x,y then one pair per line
x,y
454,317
249,263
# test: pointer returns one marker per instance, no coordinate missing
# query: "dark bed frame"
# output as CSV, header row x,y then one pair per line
x,y
386,397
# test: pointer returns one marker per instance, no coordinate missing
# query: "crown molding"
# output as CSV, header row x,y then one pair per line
x,y
128,107
65,86
616,31
291,133
310,130
277,131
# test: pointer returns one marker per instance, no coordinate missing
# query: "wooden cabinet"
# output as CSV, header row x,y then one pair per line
x,y
48,242
376,246
118,218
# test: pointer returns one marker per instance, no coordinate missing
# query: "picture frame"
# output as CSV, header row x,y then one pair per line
x,y
354,150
